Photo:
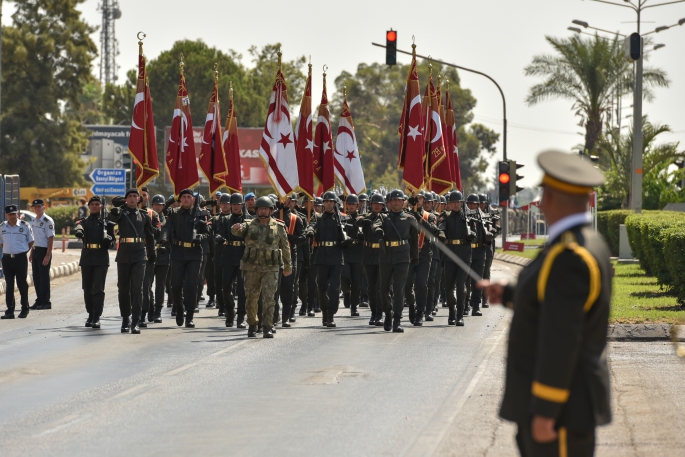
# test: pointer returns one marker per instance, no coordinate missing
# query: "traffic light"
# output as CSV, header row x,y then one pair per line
x,y
504,180
513,188
391,47
633,47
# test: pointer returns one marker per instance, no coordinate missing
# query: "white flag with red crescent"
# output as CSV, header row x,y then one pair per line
x,y
348,163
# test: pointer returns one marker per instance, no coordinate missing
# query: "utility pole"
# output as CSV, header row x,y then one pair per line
x,y
109,46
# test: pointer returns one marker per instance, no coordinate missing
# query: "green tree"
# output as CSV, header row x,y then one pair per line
x,y
117,101
46,59
90,105
616,151
590,72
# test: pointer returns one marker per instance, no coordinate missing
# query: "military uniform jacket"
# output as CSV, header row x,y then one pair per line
x,y
162,248
396,227
207,244
454,227
556,363
372,240
156,227
95,247
266,246
426,252
133,223
179,228
297,237
436,252
304,248
233,248
326,229
354,252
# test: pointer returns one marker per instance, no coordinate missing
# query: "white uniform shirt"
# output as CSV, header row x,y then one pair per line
x,y
43,228
15,240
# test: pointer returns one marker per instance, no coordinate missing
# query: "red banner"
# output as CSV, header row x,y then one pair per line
x,y
511,246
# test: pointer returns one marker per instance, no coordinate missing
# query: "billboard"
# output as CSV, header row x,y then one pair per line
x,y
252,171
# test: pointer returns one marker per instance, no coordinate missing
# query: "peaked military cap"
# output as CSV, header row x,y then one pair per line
x,y
569,173
11,209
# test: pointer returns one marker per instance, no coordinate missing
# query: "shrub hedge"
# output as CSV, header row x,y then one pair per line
x,y
657,238
608,225
63,217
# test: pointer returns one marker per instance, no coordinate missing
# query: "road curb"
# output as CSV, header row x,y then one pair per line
x,y
516,260
58,271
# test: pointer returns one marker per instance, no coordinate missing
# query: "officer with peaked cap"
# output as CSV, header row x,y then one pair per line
x,y
41,254
16,238
557,379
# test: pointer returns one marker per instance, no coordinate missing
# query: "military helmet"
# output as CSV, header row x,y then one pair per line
x,y
293,196
396,194
428,197
443,200
472,198
456,196
329,196
352,199
482,198
363,197
158,199
377,198
225,198
264,202
318,201
236,199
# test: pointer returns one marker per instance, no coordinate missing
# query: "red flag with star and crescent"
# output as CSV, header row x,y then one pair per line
x,y
304,145
277,149
441,179
412,148
324,163
451,135
348,163
212,159
181,164
437,172
142,145
233,179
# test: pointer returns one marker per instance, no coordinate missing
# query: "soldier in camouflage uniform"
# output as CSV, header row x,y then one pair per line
x,y
266,249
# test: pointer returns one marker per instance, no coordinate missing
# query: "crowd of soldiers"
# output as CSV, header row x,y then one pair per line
x,y
258,257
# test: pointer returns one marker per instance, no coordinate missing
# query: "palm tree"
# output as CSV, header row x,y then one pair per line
x,y
591,72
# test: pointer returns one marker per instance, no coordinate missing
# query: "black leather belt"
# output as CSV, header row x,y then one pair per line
x,y
394,244
456,242
14,255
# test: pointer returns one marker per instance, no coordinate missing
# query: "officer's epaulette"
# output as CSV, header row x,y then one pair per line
x,y
22,221
3,223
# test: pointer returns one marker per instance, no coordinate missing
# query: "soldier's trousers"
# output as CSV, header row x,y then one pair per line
x,y
184,279
489,255
328,283
259,283
130,283
456,278
393,275
161,273
575,443
433,285
312,288
41,275
286,292
296,287
304,286
477,265
372,273
209,276
230,274
148,297
351,282
167,288
16,267
416,287
201,275
93,284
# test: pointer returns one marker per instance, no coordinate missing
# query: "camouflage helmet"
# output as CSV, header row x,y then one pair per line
x,y
264,202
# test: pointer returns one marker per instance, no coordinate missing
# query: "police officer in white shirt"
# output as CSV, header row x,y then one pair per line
x,y
16,238
41,254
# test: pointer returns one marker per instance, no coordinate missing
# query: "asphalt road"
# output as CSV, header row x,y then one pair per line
x,y
354,390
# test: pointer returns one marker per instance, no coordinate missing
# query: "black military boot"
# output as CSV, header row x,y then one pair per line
x,y
125,324
211,303
158,315
230,314
310,310
303,310
135,326
353,311
169,302
452,318
292,315
346,300
179,316
324,318
379,318
429,317
460,322
252,331
418,322
89,321
476,312
412,313
267,332
387,324
396,325
331,322
96,323
285,323
222,310
24,313
241,321
141,321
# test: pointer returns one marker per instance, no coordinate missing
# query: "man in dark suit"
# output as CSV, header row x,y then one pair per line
x,y
557,383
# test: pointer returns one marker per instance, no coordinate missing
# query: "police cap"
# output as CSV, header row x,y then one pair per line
x,y
236,199
38,202
569,173
11,209
132,190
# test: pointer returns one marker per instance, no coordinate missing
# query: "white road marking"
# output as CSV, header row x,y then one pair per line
x,y
70,420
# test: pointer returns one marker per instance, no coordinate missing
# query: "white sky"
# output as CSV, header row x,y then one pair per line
x,y
498,37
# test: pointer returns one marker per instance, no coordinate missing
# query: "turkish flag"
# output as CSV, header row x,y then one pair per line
x,y
437,174
442,176
181,164
411,133
233,179
450,133
212,160
304,146
324,167
142,145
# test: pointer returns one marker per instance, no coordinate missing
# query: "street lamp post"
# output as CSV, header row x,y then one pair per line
x,y
505,216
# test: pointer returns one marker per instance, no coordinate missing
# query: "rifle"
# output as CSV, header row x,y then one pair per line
x,y
104,216
196,215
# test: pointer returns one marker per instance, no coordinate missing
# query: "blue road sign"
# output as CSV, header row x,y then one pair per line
x,y
110,190
109,176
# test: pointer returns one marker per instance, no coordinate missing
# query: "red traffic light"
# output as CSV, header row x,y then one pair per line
x,y
504,178
391,35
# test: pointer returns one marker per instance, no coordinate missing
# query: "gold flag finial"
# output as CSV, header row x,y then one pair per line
x,y
182,64
413,47
230,91
140,42
279,53
447,84
310,65
345,93
325,69
430,69
216,72
439,79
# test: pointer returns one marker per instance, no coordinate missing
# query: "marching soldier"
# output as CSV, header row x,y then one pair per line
x,y
478,248
295,229
327,231
41,254
136,247
435,273
304,262
351,278
399,249
187,231
97,235
148,297
162,262
250,202
218,232
16,239
457,231
207,253
266,250
371,257
313,305
492,219
557,378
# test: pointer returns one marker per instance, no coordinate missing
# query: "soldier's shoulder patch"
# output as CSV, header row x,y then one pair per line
x,y
50,226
